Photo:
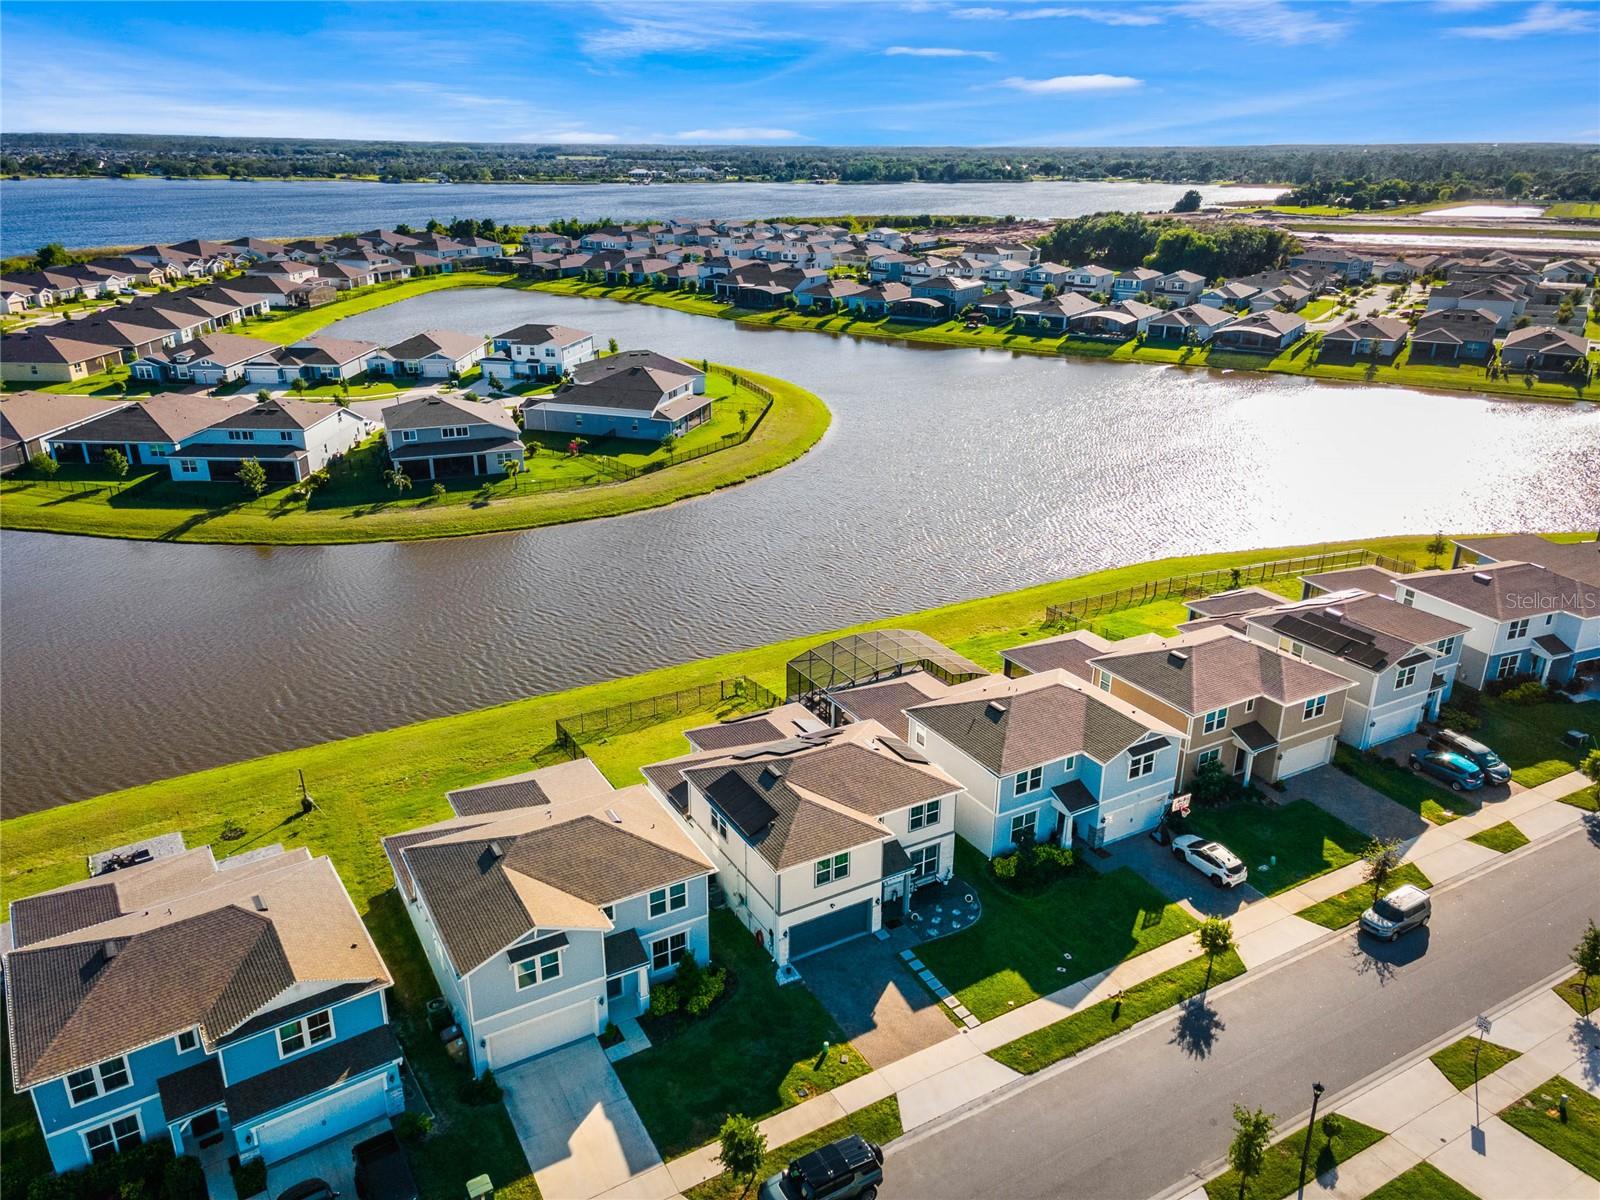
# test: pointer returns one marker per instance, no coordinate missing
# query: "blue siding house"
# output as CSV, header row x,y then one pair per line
x,y
233,1010
637,394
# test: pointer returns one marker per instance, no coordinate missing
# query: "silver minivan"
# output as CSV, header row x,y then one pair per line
x,y
1406,908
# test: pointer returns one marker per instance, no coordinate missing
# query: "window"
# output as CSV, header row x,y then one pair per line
x,y
1507,666
540,968
1407,596
923,815
1024,826
1028,781
1140,765
610,911
719,824
304,1033
925,861
188,466
1250,705
664,952
408,435
1210,756
922,738
1404,678
454,431
669,899
105,1140
831,869
1290,646
1517,629
187,1041
1446,647
109,1076
1215,720
285,436
1315,707
1102,680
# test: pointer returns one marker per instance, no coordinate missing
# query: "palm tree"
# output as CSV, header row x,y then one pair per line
x,y
397,478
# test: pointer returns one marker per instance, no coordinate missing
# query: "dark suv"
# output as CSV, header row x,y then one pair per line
x,y
382,1172
1474,751
849,1169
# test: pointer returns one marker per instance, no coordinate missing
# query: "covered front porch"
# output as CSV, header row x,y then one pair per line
x,y
1249,740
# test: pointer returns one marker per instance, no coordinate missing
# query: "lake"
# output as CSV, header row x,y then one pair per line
x,y
947,474
127,212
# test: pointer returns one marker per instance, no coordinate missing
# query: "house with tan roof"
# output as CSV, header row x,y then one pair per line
x,y
232,1008
1047,758
817,838
31,421
548,906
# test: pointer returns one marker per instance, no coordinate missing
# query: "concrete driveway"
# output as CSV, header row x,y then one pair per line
x,y
1357,805
883,1008
580,1132
1174,879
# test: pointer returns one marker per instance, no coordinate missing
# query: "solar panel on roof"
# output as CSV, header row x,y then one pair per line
x,y
902,750
741,803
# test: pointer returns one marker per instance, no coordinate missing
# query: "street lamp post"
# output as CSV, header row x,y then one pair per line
x,y
1305,1151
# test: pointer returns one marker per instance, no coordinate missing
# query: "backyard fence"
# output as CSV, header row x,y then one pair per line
x,y
572,731
1218,579
619,471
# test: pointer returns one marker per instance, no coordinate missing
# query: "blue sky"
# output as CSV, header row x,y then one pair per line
x,y
928,72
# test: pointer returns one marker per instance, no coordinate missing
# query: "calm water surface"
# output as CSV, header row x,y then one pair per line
x,y
946,475
106,212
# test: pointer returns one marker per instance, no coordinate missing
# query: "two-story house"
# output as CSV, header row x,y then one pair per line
x,y
439,436
636,394
1091,277
1140,281
1401,659
548,905
1521,618
146,433
817,838
234,1010
539,351
1047,758
289,438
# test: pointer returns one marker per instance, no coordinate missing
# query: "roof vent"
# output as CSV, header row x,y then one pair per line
x,y
496,849
111,948
1482,577
615,819
1336,613
258,902
996,709
769,777
1178,659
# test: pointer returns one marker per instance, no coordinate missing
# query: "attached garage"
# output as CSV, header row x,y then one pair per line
x,y
322,1120
544,1033
830,929
1303,758
1393,724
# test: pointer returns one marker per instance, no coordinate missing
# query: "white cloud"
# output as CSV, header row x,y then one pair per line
x,y
1266,20
1059,84
938,52
739,133
979,14
1102,16
1541,18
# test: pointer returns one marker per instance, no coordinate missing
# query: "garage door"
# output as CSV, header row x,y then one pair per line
x,y
1393,725
327,1118
1303,758
818,934
543,1034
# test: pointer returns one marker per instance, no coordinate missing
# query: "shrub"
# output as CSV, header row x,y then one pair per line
x,y
1458,719
665,999
1529,693
710,983
43,466
1466,699
185,1179
1049,861
1004,866
250,1179
1213,785
1332,1126
481,1091
413,1126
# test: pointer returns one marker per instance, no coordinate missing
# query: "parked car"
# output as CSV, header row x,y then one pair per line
x,y
1462,774
849,1169
382,1171
1406,908
1485,759
1211,859
309,1189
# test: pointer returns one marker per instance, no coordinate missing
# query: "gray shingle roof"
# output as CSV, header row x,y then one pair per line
x,y
1025,728
1506,591
309,1074
1200,672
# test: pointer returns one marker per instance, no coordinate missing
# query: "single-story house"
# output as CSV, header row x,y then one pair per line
x,y
30,421
437,436
1543,348
431,354
955,292
210,360
317,359
1192,323
1266,332
1120,321
1454,335
1354,267
1000,307
54,354
1054,315
146,433
1363,336
877,300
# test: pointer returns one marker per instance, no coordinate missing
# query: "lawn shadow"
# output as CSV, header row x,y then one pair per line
x,y
1197,1027
1585,1040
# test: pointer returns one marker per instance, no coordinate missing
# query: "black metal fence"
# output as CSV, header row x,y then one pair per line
x,y
619,471
1218,579
572,731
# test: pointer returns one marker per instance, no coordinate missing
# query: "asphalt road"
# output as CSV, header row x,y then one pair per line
x,y
1136,1118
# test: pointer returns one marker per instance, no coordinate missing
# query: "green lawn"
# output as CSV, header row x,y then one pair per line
x,y
1014,953
1338,911
1577,1139
1306,840
1455,1061
1075,1034
1436,804
467,1140
1281,1174
1575,208
758,1052
619,754
1571,990
1528,736
1299,359
1320,307
1587,798
1422,1182
22,1146
878,1123
1504,838
358,507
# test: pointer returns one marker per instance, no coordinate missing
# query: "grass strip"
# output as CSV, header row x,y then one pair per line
x,y
1435,804
1280,1175
1455,1061
1422,1182
879,1123
1338,911
1502,838
1571,990
1577,1138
